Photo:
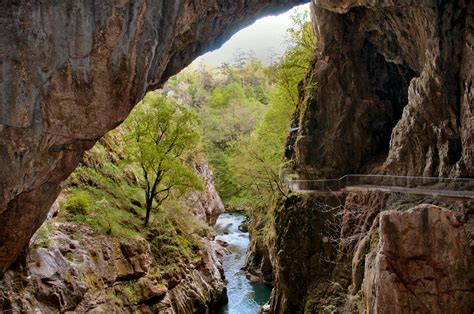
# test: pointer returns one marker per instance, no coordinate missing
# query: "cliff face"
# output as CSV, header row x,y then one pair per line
x,y
71,71
373,252
390,90
422,263
75,269
207,204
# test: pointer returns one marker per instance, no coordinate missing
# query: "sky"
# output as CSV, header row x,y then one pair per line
x,y
266,38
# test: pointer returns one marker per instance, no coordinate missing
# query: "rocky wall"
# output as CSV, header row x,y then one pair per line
x,y
373,252
390,90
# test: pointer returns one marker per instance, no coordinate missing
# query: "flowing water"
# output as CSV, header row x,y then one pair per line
x,y
244,297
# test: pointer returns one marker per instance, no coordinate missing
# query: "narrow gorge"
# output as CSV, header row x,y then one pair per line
x,y
382,88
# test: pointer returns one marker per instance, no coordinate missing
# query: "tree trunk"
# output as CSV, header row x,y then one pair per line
x,y
149,203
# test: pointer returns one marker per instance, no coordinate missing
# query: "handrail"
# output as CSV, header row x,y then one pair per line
x,y
384,176
385,181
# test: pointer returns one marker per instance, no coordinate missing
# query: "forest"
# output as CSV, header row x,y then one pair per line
x,y
246,109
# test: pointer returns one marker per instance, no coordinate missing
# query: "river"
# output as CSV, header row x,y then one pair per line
x,y
244,297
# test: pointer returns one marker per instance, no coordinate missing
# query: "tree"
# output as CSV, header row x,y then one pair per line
x,y
162,134
294,64
258,158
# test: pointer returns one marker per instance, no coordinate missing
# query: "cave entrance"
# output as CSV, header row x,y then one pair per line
x,y
106,57
390,82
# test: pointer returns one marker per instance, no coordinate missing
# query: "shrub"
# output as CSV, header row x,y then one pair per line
x,y
78,204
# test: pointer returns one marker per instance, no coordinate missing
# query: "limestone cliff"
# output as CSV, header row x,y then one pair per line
x,y
373,252
207,205
390,91
71,71
75,269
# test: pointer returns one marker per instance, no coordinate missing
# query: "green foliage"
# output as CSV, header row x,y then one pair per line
x,y
230,100
113,186
246,108
78,204
257,160
41,237
227,96
172,236
294,65
162,133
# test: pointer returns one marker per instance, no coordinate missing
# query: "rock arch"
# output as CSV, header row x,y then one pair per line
x,y
73,70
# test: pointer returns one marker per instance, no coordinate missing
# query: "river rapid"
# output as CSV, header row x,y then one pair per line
x,y
245,297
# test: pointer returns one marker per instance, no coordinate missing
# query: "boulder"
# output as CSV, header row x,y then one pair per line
x,y
150,290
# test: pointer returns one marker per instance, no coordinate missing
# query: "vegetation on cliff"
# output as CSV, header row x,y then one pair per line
x,y
146,163
96,254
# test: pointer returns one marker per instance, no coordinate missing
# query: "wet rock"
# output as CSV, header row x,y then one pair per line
x,y
254,278
266,308
223,243
244,226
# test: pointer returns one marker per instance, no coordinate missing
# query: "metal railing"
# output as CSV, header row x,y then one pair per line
x,y
423,184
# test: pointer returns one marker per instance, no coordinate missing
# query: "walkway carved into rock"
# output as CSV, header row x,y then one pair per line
x,y
432,186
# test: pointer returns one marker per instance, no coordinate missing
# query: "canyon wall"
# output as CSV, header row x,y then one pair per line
x,y
373,252
390,91
71,71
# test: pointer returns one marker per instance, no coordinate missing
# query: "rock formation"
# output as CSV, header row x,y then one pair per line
x,y
71,71
82,271
422,263
207,205
390,91
71,265
391,85
373,252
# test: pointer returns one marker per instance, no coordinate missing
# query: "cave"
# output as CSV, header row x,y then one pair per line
x,y
389,82
72,65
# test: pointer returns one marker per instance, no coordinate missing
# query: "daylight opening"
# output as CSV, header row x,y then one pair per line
x,y
210,141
